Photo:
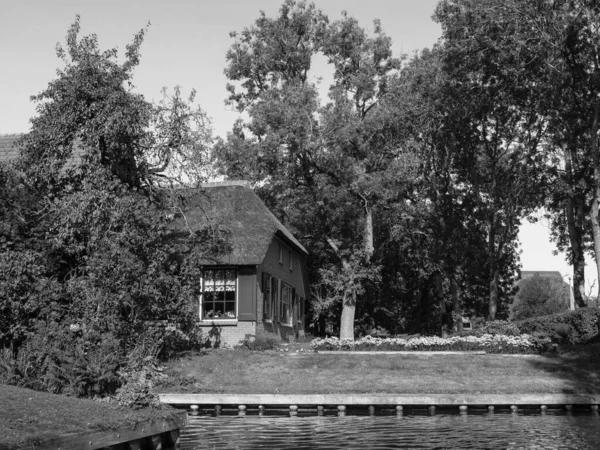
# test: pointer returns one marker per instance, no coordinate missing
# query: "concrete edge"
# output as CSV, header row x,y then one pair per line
x,y
416,352
381,399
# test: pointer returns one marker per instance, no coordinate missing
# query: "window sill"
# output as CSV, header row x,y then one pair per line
x,y
218,322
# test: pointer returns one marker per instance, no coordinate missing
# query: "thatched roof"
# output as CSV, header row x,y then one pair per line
x,y
234,207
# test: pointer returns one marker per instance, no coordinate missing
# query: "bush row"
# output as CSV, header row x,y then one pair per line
x,y
576,327
490,343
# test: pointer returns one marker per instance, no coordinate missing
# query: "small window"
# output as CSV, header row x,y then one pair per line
x,y
219,294
300,309
285,305
280,254
275,296
267,296
291,260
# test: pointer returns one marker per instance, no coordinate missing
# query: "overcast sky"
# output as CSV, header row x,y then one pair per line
x,y
186,45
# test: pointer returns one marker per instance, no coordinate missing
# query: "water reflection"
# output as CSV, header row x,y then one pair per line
x,y
381,429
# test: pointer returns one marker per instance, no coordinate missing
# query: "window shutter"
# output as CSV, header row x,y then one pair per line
x,y
277,299
266,290
246,293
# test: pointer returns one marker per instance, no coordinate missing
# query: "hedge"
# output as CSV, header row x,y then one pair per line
x,y
489,343
576,327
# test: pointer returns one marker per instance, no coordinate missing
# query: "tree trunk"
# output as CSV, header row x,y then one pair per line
x,y
369,247
439,294
575,224
424,309
454,293
596,194
347,321
494,273
574,218
494,280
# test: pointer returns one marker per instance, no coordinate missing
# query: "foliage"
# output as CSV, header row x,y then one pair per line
x,y
489,343
583,325
496,327
540,296
91,247
260,342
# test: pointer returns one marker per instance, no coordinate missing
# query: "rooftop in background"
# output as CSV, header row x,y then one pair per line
x,y
541,273
8,147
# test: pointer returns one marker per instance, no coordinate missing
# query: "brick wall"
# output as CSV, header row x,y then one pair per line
x,y
228,335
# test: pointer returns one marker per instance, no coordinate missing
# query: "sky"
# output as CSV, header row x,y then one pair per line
x,y
186,45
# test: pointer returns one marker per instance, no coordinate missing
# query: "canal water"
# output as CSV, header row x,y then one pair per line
x,y
579,430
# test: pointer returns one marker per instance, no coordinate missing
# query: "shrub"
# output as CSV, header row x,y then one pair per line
x,y
260,342
579,326
139,377
538,296
487,342
500,327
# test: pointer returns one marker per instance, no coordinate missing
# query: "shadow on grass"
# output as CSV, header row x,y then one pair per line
x,y
577,367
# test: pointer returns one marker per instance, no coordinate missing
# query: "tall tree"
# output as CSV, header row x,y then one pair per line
x,y
501,140
333,155
89,237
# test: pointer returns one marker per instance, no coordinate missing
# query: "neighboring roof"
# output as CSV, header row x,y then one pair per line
x,y
10,152
541,273
8,147
233,206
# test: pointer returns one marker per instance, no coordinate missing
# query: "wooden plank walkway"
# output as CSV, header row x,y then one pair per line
x,y
380,399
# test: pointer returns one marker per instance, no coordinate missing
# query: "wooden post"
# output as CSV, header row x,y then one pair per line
x,y
174,438
156,442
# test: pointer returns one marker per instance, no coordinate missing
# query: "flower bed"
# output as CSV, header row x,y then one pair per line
x,y
489,343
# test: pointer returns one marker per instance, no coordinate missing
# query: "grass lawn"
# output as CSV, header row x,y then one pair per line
x,y
575,370
28,417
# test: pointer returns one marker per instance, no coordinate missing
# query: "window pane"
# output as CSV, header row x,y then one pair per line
x,y
209,276
220,277
230,277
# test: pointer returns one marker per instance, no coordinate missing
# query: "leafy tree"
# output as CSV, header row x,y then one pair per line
x,y
502,137
540,296
91,244
329,160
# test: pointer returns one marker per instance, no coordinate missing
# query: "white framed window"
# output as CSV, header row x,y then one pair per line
x,y
219,299
286,312
267,296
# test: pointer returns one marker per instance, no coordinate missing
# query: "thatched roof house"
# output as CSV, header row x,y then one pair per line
x,y
260,284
